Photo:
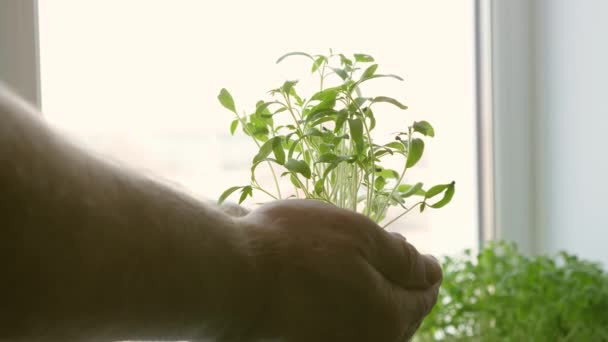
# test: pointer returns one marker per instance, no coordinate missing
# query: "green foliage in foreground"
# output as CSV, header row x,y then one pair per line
x,y
501,295
323,141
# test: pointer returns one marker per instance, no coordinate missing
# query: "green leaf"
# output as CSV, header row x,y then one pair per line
x,y
355,85
388,173
447,196
340,119
227,193
259,132
277,148
293,147
407,190
295,95
322,120
265,150
314,132
226,100
372,119
422,206
359,102
359,57
318,62
298,166
329,169
247,191
396,145
307,157
261,107
295,181
320,111
379,183
381,152
325,94
327,158
288,86
415,152
345,61
319,186
425,128
294,54
386,75
396,199
340,72
233,126
260,121
389,100
369,71
435,190
326,148
327,102
282,109
356,132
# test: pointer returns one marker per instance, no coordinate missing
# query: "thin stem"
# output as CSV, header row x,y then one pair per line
x,y
355,188
352,70
299,129
276,181
264,191
401,215
322,76
371,156
370,188
274,175
297,192
409,143
305,190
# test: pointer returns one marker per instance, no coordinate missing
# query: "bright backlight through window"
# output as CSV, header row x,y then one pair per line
x,y
137,81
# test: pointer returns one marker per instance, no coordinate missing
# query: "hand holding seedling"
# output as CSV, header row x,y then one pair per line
x,y
334,275
90,251
327,149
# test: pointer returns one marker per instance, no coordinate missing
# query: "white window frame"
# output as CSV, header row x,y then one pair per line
x,y
485,131
508,154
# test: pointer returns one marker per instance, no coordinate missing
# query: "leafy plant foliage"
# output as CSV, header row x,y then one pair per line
x,y
501,295
327,150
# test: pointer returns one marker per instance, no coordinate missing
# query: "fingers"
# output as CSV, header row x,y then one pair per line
x,y
402,264
415,305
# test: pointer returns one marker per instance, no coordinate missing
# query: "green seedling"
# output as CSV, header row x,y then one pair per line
x,y
500,294
325,147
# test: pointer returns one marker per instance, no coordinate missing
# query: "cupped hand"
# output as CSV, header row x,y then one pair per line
x,y
330,274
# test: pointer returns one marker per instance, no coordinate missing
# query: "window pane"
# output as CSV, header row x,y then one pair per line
x,y
138,80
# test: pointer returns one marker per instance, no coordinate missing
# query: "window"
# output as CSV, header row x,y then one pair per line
x,y
138,80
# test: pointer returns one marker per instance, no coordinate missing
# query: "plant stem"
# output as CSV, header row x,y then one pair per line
x,y
264,191
299,129
370,188
401,215
322,76
306,193
274,175
409,143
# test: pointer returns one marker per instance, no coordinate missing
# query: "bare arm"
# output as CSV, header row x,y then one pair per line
x,y
93,248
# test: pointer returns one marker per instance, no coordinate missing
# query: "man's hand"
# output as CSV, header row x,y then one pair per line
x,y
333,275
92,252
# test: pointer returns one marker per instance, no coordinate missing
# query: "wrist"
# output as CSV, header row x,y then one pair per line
x,y
210,287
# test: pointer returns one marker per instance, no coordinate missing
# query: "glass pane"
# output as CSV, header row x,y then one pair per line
x,y
137,81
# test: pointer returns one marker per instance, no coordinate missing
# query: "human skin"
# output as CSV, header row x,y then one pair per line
x,y
91,251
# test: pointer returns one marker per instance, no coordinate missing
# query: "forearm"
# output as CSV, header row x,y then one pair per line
x,y
92,249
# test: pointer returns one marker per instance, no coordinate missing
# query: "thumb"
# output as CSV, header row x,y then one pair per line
x,y
401,263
